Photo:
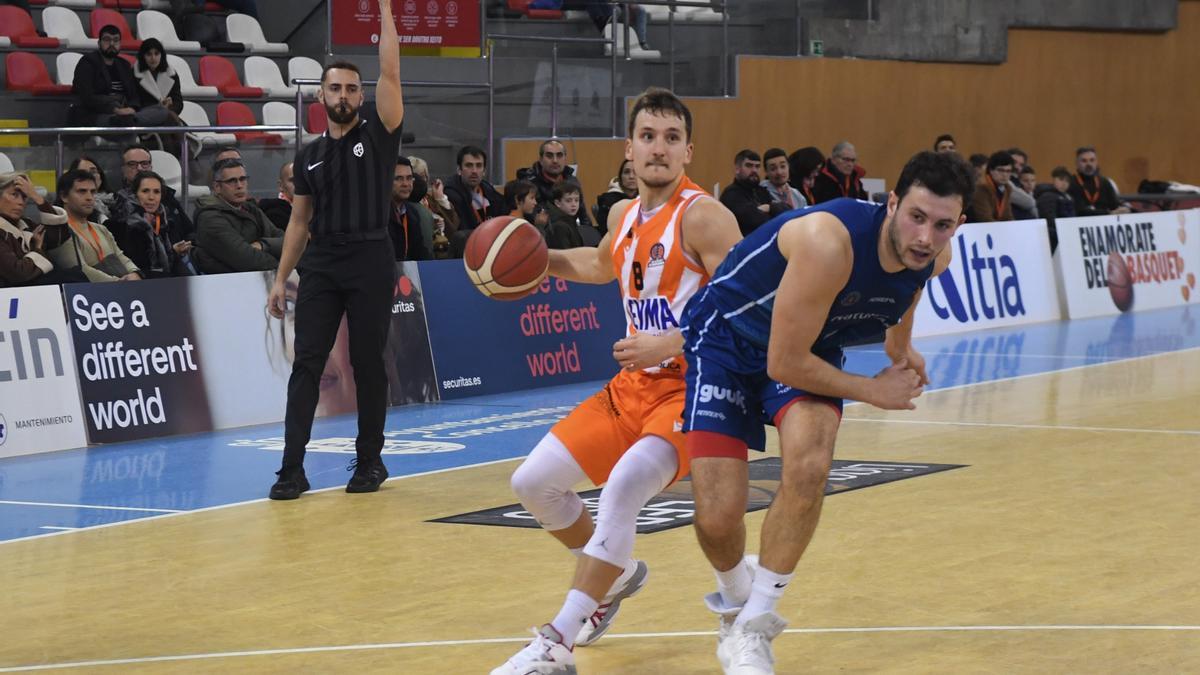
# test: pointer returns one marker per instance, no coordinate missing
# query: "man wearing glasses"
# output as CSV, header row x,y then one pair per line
x,y
841,176
135,159
107,89
232,233
549,171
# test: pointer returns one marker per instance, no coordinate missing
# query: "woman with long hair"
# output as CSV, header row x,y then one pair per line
x,y
146,234
622,186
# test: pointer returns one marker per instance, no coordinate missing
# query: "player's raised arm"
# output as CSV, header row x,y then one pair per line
x,y
389,102
586,264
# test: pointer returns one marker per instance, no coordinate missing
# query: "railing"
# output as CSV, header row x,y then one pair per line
x,y
724,11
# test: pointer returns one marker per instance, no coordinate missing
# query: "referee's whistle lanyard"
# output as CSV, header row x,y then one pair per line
x,y
843,185
1091,197
480,214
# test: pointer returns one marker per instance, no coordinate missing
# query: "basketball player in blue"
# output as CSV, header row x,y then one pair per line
x,y
838,273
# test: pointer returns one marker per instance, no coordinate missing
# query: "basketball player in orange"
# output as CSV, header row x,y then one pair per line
x,y
662,246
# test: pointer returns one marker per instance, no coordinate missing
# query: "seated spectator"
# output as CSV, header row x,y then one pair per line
x,y
623,186
227,152
804,165
232,233
103,199
158,84
1023,203
550,170
108,91
841,176
945,143
526,206
601,13
1054,201
978,163
411,225
445,218
149,238
750,203
23,259
1094,194
135,159
565,229
1026,183
777,182
88,247
474,199
279,207
993,190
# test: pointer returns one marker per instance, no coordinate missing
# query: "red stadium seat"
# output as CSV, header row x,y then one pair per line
x,y
121,4
234,114
218,71
39,3
17,26
522,6
317,120
212,7
102,17
26,72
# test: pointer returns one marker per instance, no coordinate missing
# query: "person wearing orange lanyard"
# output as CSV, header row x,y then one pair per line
x,y
993,198
147,236
1093,193
841,176
91,248
409,219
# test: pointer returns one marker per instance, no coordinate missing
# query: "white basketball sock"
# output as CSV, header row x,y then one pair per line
x,y
734,584
767,589
574,613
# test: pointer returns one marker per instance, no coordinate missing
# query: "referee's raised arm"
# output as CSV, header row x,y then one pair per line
x,y
388,99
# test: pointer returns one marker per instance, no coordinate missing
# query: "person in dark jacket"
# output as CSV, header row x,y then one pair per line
x,y
473,198
232,233
749,201
145,234
549,171
279,208
565,230
841,176
409,221
623,186
135,159
1094,194
805,165
107,89
158,83
1054,201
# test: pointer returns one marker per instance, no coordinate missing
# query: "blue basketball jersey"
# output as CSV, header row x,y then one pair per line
x,y
742,290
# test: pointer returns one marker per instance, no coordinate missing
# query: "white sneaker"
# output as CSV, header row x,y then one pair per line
x,y
601,620
750,645
727,613
546,655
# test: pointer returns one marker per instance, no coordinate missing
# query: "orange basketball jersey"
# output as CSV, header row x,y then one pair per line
x,y
657,277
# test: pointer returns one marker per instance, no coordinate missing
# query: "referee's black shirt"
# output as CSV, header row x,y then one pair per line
x,y
350,178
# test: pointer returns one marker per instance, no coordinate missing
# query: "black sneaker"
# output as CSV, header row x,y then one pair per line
x,y
290,484
367,477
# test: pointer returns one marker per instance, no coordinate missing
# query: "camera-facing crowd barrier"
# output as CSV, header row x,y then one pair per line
x,y
105,363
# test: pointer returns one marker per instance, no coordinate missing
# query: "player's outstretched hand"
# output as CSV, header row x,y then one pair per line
x,y
896,386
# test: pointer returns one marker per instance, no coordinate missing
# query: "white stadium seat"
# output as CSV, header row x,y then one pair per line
x,y
6,165
304,68
245,29
167,166
278,113
187,83
635,51
195,116
75,4
64,67
262,72
64,24
151,23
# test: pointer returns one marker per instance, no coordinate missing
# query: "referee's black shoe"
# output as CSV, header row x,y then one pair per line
x,y
368,475
290,484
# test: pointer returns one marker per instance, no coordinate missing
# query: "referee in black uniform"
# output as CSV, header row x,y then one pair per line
x,y
343,186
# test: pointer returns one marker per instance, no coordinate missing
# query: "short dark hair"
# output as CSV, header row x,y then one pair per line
x,y
228,148
1017,151
143,176
566,188
805,160
67,181
944,137
99,169
108,29
1028,169
944,174
746,154
999,158
133,146
403,161
147,45
1060,172
517,190
227,163
979,160
472,150
772,154
663,102
340,65
1086,148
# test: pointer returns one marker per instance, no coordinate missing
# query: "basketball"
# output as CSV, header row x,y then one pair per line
x,y
1120,285
506,258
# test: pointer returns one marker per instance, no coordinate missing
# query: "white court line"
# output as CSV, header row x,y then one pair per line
x,y
513,459
1049,427
1061,357
618,636
89,506
53,527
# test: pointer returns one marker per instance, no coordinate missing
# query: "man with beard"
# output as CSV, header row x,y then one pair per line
x,y
337,238
750,202
550,171
1093,194
840,273
107,89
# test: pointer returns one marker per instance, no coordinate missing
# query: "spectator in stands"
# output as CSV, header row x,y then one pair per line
x,y
1023,186
993,190
23,259
445,218
89,247
232,233
103,199
565,229
1094,195
841,176
750,202
107,89
804,165
227,152
601,13
474,199
775,162
623,186
526,206
978,163
1023,203
411,225
1054,201
945,143
279,207
549,171
158,83
135,159
147,235
1028,179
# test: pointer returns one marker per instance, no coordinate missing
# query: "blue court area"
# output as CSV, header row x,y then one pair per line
x,y
65,491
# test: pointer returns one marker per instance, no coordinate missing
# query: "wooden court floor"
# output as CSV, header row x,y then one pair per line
x,y
1069,544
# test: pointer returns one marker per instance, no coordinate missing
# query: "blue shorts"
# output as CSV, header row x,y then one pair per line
x,y
728,390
